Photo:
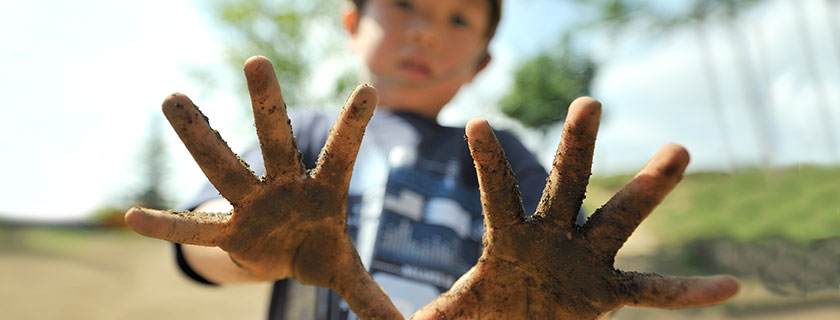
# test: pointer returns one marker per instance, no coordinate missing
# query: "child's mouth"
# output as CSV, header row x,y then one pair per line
x,y
414,70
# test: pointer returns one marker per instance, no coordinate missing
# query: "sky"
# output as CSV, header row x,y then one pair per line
x,y
81,83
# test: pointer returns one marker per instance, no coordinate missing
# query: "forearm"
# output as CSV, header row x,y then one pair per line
x,y
214,264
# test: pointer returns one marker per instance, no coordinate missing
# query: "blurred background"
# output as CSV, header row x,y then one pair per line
x,y
750,87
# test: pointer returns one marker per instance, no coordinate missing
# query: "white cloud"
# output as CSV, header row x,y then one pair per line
x,y
81,79
81,82
662,92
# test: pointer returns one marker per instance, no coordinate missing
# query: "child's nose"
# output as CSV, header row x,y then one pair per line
x,y
424,33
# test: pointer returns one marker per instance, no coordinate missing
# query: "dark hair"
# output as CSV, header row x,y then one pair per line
x,y
495,15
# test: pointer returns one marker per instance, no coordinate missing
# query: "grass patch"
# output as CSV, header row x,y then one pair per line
x,y
57,240
779,227
799,204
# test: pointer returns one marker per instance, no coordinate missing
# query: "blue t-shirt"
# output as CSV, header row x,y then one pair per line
x,y
414,210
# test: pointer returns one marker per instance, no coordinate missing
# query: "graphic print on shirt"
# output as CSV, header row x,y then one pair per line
x,y
414,225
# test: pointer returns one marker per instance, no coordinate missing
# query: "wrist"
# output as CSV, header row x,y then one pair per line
x,y
252,272
216,265
364,296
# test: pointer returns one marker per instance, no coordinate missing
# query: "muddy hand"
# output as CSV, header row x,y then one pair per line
x,y
546,267
290,223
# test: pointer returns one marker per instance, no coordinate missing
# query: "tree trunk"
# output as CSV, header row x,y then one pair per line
x,y
714,92
819,85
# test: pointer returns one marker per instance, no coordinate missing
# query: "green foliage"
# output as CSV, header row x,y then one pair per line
x,y
612,13
615,15
281,31
545,86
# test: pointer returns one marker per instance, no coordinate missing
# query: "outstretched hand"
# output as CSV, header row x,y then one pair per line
x,y
544,266
290,223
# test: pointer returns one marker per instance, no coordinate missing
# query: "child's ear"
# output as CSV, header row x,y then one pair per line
x,y
350,19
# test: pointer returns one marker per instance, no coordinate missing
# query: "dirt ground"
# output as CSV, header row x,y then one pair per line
x,y
120,275
115,276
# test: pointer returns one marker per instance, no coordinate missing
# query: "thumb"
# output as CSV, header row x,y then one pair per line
x,y
198,228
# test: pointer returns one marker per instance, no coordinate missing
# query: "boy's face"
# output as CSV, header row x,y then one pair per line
x,y
420,52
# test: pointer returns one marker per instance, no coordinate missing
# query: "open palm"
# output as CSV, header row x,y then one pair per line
x,y
290,223
543,266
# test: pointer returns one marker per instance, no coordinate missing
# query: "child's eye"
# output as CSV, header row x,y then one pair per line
x,y
403,4
459,20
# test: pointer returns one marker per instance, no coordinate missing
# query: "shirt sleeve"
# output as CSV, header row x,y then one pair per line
x,y
187,270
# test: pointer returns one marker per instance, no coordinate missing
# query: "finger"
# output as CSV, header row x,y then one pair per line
x,y
187,227
280,155
668,292
566,186
500,198
613,223
229,174
335,163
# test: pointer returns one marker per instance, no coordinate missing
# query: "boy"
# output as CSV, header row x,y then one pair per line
x,y
413,208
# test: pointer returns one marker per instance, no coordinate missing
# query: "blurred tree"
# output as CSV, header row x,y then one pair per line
x,y
754,90
110,217
295,35
697,16
545,85
832,7
617,16
153,170
822,96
